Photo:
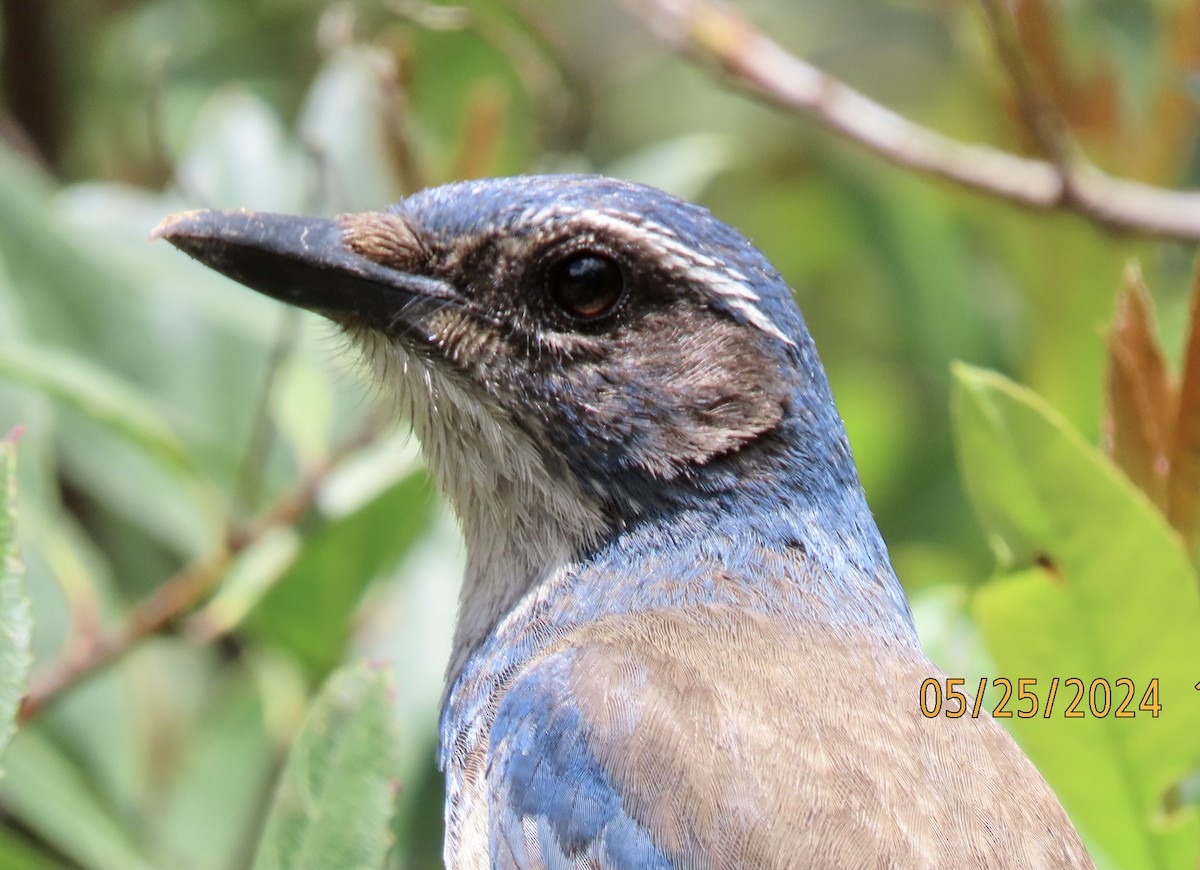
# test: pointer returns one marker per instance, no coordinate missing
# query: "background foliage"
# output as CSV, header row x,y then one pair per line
x,y
187,440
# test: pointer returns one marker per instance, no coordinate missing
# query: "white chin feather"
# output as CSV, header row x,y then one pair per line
x,y
521,522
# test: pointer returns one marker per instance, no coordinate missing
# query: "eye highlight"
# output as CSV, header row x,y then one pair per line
x,y
586,285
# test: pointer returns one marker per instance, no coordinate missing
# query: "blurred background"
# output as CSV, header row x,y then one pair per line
x,y
173,419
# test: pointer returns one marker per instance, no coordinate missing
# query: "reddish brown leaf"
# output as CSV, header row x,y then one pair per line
x,y
1183,485
1140,406
1172,120
1089,102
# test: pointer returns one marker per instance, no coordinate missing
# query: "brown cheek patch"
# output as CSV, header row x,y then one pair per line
x,y
385,238
720,385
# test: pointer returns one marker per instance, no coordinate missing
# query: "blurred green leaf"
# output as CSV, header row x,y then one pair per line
x,y
50,795
684,166
80,384
345,120
336,797
252,573
220,813
1095,585
302,406
242,156
948,635
123,451
15,619
308,610
16,854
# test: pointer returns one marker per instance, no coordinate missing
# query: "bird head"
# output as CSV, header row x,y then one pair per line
x,y
576,354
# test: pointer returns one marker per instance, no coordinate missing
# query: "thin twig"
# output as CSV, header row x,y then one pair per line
x,y
151,616
715,34
186,588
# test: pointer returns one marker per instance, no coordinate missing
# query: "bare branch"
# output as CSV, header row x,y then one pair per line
x,y
183,590
715,34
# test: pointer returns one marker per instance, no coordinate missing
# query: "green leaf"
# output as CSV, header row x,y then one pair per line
x,y
345,120
224,171
81,385
308,610
17,854
16,624
222,812
684,166
948,635
122,451
302,406
335,801
1096,586
52,796
251,575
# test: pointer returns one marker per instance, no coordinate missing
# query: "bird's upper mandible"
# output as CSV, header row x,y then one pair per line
x,y
680,642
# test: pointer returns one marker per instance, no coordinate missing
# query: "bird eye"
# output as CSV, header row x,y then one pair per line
x,y
586,285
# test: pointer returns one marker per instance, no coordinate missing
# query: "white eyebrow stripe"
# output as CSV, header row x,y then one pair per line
x,y
727,282
664,231
536,217
681,250
732,287
756,317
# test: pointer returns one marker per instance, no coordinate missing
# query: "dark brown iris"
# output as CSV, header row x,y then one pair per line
x,y
586,285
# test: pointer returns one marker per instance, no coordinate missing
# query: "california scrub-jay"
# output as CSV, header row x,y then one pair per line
x,y
680,641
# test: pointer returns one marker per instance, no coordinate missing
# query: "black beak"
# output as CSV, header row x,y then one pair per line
x,y
302,261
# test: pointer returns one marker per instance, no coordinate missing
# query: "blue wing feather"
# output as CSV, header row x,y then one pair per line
x,y
543,773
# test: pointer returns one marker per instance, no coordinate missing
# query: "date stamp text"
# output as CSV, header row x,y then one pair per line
x,y
1071,698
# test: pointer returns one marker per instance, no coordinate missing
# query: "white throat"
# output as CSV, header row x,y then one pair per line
x,y
521,523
